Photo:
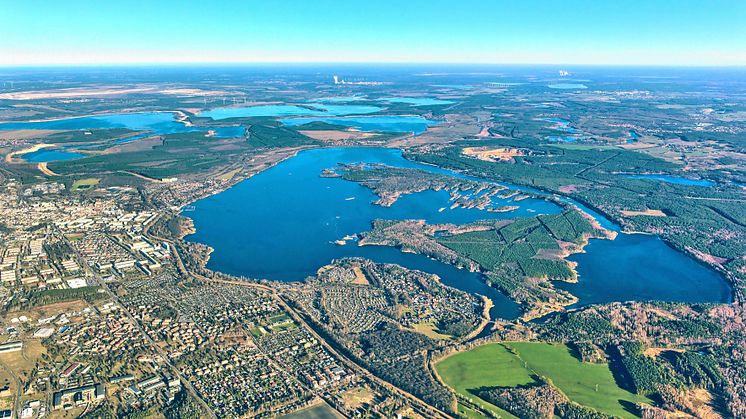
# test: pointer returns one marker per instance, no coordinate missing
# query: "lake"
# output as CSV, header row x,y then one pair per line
x,y
157,122
317,109
417,101
389,123
675,180
47,155
567,86
562,125
652,270
281,225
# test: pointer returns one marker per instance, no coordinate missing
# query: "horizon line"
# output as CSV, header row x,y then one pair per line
x,y
351,63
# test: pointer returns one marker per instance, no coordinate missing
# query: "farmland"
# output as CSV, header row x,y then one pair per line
x,y
517,364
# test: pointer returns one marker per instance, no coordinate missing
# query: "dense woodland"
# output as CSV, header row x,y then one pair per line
x,y
709,222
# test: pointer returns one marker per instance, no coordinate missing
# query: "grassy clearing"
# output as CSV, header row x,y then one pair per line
x,y
229,175
489,365
256,332
360,278
50,310
84,184
429,330
24,361
578,380
358,396
516,363
283,326
468,413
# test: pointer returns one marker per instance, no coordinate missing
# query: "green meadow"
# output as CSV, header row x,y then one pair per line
x,y
519,363
484,366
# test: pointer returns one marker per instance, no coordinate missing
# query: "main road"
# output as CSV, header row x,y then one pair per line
x,y
157,349
418,403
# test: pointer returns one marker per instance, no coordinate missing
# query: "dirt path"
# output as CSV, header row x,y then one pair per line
x,y
46,170
137,175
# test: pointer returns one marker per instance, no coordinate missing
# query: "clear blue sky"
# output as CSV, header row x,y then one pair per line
x,y
667,32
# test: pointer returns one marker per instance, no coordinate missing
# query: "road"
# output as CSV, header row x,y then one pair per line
x,y
19,385
157,349
350,363
300,320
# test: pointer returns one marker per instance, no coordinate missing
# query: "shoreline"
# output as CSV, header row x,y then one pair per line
x,y
35,121
10,157
561,196
488,304
235,180
606,233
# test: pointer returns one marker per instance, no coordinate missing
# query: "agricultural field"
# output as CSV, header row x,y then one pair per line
x,y
485,366
591,385
517,364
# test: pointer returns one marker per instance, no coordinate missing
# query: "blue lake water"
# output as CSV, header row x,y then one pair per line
x,y
393,123
289,110
562,125
563,138
675,180
44,155
454,86
650,270
282,223
154,122
157,122
567,86
417,101
340,99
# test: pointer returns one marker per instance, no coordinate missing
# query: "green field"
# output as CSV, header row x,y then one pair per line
x,y
319,411
468,413
512,364
577,379
84,184
485,366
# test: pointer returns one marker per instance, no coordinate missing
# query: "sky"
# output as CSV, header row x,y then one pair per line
x,y
601,32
